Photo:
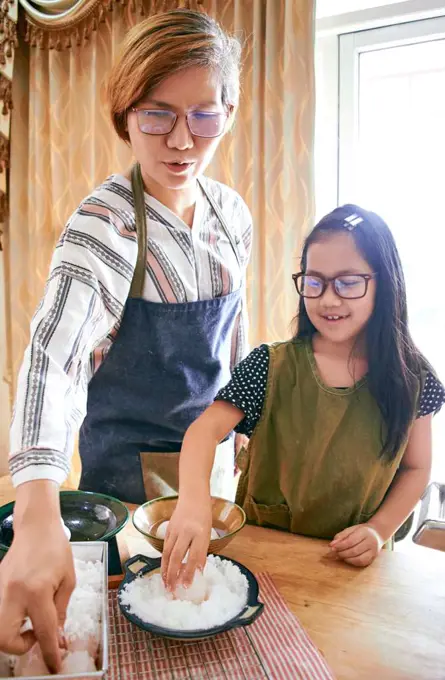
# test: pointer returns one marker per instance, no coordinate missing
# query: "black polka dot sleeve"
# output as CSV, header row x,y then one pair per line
x,y
247,388
432,398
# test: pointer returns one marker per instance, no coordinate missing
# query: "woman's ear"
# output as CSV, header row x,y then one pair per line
x,y
231,118
127,135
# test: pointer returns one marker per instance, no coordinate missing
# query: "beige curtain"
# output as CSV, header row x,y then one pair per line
x,y
63,145
8,44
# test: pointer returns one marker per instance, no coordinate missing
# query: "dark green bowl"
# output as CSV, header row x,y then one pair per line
x,y
89,516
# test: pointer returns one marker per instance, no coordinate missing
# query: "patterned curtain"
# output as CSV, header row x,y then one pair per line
x,y
63,145
66,23
8,45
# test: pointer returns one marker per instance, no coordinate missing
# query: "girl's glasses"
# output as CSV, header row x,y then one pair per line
x,y
348,286
200,123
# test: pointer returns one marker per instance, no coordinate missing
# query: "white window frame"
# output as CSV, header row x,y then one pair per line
x,y
330,31
351,46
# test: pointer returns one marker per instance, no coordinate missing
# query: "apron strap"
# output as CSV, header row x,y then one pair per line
x,y
222,219
137,185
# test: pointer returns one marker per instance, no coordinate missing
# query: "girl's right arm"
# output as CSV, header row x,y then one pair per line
x,y
190,526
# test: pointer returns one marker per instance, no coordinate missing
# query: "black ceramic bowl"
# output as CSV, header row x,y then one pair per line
x,y
89,517
140,566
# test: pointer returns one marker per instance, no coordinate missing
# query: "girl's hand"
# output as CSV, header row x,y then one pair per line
x,y
358,545
188,530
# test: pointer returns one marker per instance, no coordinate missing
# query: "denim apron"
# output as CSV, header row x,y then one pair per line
x,y
163,369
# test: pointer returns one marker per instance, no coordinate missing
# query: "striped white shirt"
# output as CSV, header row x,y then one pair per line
x,y
84,299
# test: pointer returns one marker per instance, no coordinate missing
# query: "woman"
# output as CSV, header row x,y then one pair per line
x,y
143,315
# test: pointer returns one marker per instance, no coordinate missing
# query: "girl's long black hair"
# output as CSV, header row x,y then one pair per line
x,y
394,362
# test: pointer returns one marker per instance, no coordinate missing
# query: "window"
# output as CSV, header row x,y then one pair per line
x,y
391,159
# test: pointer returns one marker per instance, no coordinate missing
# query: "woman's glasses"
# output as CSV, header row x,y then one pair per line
x,y
200,123
348,286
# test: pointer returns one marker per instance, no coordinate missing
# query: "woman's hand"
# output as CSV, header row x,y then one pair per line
x,y
188,530
358,545
36,580
37,574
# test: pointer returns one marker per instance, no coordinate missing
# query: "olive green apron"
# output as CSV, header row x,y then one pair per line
x,y
312,465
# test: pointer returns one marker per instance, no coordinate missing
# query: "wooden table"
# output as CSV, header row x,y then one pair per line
x,y
385,622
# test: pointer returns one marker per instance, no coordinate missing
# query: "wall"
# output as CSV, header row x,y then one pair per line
x,y
344,16
329,8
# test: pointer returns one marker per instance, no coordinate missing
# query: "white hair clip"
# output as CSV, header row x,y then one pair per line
x,y
351,222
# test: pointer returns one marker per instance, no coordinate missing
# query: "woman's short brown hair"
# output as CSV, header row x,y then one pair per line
x,y
165,44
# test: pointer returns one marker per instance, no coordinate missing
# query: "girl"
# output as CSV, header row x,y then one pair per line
x,y
339,417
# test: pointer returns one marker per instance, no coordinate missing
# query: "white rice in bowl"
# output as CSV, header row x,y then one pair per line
x,y
215,597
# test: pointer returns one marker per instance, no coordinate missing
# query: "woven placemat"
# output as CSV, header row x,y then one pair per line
x,y
275,647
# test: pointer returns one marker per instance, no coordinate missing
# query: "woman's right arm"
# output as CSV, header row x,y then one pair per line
x,y
84,299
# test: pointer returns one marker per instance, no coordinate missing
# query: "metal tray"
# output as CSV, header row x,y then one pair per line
x,y
90,550
430,530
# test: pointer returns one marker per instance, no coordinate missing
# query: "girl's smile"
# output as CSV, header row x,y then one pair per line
x,y
340,320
